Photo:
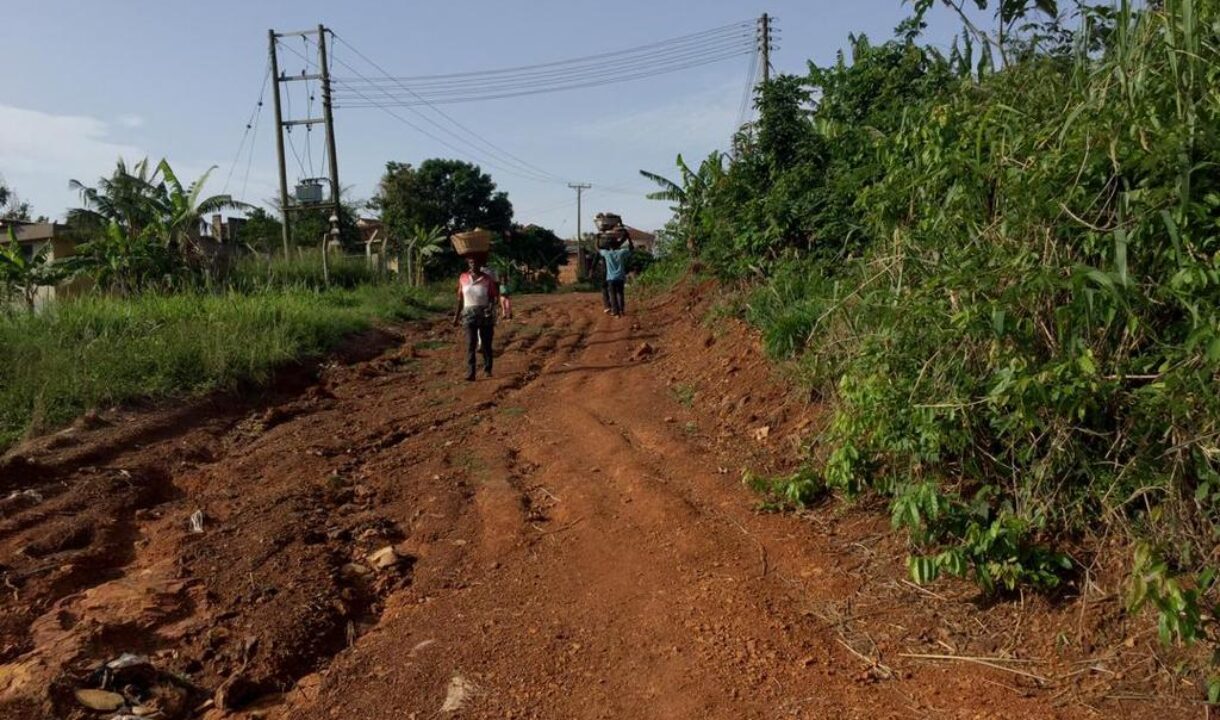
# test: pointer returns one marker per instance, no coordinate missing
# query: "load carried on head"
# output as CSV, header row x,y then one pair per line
x,y
607,221
473,244
611,230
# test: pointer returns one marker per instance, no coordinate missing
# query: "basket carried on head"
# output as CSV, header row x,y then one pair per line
x,y
472,242
607,221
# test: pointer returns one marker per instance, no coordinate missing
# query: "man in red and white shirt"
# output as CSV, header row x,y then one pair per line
x,y
478,296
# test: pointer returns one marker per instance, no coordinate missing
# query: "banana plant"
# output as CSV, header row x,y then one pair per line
x,y
423,244
183,207
22,276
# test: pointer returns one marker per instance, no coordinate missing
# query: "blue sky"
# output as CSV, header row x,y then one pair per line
x,y
87,82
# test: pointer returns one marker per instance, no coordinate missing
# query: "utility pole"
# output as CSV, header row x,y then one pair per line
x,y
279,143
580,239
329,116
764,36
327,119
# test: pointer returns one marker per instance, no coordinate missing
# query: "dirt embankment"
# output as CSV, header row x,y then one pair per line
x,y
567,540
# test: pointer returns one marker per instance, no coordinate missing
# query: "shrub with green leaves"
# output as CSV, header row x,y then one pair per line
x,y
1006,279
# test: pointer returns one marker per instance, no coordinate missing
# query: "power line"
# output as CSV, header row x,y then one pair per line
x,y
573,86
748,94
597,82
585,79
258,106
308,107
626,62
587,58
637,62
288,132
250,158
384,107
492,147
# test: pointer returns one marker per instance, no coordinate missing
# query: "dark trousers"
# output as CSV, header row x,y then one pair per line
x,y
618,299
476,333
606,294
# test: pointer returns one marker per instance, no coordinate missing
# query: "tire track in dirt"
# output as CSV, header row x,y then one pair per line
x,y
571,548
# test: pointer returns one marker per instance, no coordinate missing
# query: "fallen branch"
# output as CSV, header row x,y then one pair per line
x,y
991,662
569,526
873,664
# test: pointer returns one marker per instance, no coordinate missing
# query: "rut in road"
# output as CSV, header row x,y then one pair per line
x,y
615,570
574,537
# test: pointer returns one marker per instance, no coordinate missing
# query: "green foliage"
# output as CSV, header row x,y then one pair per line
x,y
97,351
302,271
141,227
797,490
451,194
684,394
1005,278
664,272
11,206
529,257
262,232
21,276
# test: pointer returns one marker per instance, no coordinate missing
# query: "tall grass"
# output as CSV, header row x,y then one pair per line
x,y
96,351
304,270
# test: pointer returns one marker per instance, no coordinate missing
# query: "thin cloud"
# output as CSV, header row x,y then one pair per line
x,y
131,121
38,143
40,152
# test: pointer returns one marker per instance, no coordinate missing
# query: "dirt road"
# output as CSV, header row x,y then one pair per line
x,y
571,540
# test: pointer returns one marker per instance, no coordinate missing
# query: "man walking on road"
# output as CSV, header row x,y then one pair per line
x,y
616,271
478,294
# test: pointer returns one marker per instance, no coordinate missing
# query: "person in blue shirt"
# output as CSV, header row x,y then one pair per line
x,y
616,258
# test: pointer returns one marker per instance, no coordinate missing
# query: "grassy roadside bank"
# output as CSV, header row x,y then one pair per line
x,y
97,351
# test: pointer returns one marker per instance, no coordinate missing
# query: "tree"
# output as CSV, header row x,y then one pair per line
x,y
262,231
450,194
11,206
22,275
533,253
142,224
128,197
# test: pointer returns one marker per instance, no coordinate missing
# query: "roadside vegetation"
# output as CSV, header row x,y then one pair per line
x,y
1000,266
95,352
159,308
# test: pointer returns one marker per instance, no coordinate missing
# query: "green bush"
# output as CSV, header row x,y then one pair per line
x,y
1007,283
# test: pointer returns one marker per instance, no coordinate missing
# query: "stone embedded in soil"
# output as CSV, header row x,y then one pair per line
x,y
355,570
761,433
385,558
643,351
100,700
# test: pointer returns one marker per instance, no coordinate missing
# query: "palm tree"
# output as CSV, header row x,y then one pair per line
x,y
128,197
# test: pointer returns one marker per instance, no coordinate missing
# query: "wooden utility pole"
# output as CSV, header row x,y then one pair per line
x,y
764,37
279,143
329,116
580,238
327,119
